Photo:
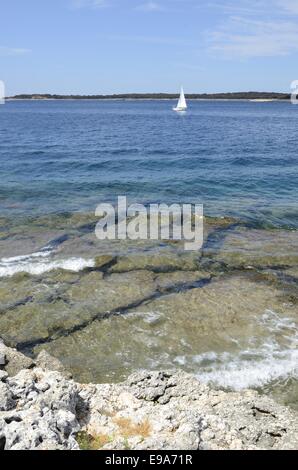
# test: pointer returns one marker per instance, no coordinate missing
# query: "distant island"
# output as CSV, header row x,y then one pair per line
x,y
251,95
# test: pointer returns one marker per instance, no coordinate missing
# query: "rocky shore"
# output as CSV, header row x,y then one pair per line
x,y
41,407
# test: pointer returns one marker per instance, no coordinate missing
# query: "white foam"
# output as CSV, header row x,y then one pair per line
x,y
240,374
275,359
36,264
205,357
181,360
39,254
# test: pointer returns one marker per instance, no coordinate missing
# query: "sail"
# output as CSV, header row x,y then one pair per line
x,y
181,106
182,102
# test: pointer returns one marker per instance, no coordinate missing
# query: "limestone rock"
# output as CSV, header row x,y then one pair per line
x,y
42,409
43,415
14,360
47,362
3,375
166,411
2,360
6,397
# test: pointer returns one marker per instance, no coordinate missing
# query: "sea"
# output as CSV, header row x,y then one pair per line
x,y
227,314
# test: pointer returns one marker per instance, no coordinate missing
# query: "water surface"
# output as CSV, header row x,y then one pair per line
x,y
227,313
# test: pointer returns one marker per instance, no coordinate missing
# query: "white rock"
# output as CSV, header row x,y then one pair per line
x,y
3,375
42,409
6,397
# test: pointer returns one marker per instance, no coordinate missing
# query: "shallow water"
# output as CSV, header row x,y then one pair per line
x,y
227,313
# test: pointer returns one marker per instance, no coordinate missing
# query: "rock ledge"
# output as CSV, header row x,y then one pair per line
x,y
45,409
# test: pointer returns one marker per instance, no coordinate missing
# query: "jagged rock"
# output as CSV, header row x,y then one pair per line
x,y
6,397
157,410
15,361
3,375
42,409
2,360
43,415
47,362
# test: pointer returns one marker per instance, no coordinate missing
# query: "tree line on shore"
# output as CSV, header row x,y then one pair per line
x,y
251,95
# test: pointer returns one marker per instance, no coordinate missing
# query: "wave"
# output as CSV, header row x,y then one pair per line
x,y
239,374
23,258
39,263
276,359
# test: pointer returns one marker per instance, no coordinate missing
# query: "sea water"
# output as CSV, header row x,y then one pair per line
x,y
228,314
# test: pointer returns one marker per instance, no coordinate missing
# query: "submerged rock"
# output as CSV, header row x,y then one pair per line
x,y
201,329
166,261
59,310
247,248
104,260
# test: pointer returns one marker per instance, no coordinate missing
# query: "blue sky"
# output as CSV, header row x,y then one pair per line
x,y
115,46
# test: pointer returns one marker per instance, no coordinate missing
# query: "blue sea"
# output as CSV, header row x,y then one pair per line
x,y
227,314
237,158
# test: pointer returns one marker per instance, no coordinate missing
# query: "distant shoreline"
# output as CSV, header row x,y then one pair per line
x,y
219,100
238,96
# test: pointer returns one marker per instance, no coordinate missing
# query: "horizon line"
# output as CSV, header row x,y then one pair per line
x,y
149,94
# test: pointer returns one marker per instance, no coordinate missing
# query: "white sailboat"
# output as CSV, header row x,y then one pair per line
x,y
181,106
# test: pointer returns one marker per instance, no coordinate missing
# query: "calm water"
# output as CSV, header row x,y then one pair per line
x,y
227,314
237,158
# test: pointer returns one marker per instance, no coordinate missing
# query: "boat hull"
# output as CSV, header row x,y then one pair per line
x,y
180,110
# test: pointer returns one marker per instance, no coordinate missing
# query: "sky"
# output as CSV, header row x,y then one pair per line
x,y
126,46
